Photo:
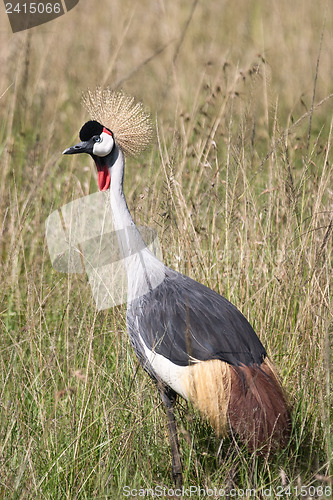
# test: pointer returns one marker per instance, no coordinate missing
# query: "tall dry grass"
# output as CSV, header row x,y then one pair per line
x,y
238,185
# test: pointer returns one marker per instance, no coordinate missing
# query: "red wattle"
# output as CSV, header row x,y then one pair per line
x,y
103,178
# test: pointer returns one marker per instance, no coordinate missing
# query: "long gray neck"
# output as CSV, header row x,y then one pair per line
x,y
144,270
122,218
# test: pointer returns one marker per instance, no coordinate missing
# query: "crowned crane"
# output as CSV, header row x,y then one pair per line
x,y
192,341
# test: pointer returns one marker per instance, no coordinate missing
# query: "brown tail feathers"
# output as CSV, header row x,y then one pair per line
x,y
250,398
258,410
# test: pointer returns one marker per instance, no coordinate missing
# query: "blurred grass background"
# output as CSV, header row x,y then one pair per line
x,y
238,185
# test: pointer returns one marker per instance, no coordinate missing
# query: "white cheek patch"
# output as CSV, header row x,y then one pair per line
x,y
104,147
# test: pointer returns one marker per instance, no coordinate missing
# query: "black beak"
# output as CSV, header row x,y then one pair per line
x,y
82,147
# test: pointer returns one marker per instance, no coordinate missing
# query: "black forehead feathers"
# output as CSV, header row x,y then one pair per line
x,y
90,129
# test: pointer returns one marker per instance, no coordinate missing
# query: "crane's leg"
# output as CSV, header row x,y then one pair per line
x,y
168,397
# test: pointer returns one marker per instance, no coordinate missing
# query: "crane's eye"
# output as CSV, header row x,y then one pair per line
x,y
97,138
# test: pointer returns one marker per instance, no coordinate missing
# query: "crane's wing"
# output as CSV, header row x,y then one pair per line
x,y
185,321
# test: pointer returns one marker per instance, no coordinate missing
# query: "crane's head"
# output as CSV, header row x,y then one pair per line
x,y
97,141
130,124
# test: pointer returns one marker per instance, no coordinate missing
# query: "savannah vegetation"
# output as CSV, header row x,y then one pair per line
x,y
237,184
